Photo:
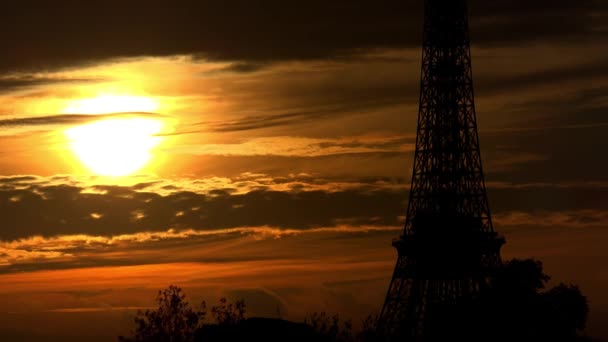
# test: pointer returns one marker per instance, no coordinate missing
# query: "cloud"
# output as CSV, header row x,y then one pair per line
x,y
236,67
66,222
19,125
546,220
58,119
121,210
553,75
71,251
23,82
272,275
242,31
553,154
344,107
266,271
301,146
157,209
104,309
343,266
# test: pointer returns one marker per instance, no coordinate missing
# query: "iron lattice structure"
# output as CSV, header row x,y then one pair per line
x,y
448,248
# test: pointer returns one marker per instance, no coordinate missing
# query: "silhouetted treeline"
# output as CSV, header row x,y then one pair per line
x,y
515,307
175,320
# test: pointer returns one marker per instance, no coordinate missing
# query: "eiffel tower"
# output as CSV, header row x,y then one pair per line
x,y
448,248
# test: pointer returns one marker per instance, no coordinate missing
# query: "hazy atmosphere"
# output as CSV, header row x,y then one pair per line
x,y
264,151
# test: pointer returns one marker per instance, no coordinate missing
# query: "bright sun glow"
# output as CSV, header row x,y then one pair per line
x,y
115,147
112,104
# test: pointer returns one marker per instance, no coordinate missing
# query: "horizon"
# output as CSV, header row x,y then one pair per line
x,y
252,152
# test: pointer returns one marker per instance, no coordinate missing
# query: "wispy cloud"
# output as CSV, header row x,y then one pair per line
x,y
270,120
302,147
336,33
90,207
71,248
541,220
18,82
23,124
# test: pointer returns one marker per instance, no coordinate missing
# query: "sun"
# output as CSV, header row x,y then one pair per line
x,y
119,145
116,146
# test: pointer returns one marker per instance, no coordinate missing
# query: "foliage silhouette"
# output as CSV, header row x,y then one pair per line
x,y
368,330
173,321
228,313
526,312
259,329
330,327
514,307
569,307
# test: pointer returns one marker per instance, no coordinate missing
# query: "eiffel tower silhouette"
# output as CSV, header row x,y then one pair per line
x,y
448,247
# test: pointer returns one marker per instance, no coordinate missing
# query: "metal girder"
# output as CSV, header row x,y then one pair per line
x,y
448,248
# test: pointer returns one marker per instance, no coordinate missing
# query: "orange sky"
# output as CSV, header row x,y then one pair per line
x,y
270,155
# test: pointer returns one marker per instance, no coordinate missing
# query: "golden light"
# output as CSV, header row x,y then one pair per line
x,y
112,104
117,146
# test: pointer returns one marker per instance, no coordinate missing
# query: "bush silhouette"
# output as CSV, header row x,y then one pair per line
x,y
527,312
173,321
228,313
514,307
329,326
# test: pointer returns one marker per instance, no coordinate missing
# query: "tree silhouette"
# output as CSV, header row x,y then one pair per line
x,y
330,327
529,313
228,313
568,307
173,321
520,276
514,307
368,331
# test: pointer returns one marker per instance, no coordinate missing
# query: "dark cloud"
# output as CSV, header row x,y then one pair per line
x,y
565,153
63,209
15,180
17,83
50,210
389,144
556,76
46,35
503,21
553,149
384,96
65,119
300,117
237,67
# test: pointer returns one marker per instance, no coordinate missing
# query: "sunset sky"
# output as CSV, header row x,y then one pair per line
x,y
264,150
